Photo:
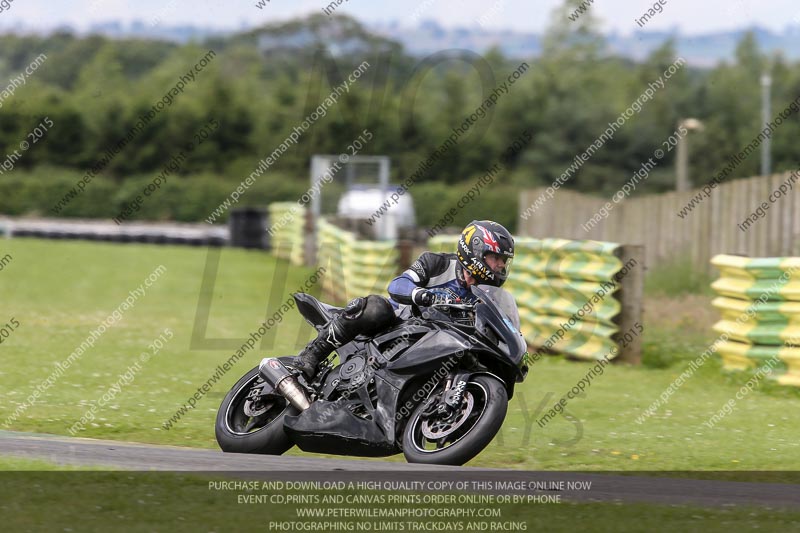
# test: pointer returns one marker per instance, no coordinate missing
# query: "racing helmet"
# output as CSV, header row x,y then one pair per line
x,y
479,238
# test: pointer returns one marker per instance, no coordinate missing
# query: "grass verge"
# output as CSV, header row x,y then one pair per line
x,y
60,291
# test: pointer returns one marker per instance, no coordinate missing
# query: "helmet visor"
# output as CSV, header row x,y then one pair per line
x,y
499,264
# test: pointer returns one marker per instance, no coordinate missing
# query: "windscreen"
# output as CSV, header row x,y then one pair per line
x,y
503,299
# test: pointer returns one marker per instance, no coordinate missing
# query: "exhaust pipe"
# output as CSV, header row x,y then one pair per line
x,y
276,374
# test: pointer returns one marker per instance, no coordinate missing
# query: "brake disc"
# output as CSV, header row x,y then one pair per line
x,y
434,429
254,408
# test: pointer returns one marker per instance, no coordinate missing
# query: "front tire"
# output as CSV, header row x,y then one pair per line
x,y
433,441
252,426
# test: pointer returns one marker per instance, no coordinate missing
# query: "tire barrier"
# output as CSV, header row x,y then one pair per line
x,y
354,267
567,294
181,234
286,230
248,228
759,303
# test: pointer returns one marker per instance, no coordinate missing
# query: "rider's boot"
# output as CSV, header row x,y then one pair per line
x,y
366,316
331,337
314,352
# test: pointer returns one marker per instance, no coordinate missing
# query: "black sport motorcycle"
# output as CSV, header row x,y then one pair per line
x,y
435,387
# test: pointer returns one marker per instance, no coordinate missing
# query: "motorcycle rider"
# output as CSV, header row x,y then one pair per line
x,y
483,255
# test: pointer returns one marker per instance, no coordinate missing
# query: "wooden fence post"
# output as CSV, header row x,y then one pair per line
x,y
310,239
405,249
630,296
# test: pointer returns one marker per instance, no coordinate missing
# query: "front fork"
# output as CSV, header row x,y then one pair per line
x,y
446,405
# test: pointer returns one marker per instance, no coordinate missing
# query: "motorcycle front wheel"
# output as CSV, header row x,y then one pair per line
x,y
248,424
459,437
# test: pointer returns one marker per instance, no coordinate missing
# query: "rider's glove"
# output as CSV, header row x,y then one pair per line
x,y
423,297
444,297
426,298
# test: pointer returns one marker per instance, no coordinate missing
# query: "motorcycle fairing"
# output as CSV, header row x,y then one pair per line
x,y
398,359
404,329
331,427
429,353
491,322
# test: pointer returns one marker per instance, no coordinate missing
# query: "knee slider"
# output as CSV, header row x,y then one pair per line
x,y
355,307
364,316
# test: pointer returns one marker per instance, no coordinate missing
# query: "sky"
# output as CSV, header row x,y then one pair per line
x,y
689,16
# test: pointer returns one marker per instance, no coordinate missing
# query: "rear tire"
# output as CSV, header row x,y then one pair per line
x,y
244,426
475,427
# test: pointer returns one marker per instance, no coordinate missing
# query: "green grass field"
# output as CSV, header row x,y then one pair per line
x,y
60,291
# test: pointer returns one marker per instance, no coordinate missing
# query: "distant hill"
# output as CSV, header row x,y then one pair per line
x,y
429,37
701,50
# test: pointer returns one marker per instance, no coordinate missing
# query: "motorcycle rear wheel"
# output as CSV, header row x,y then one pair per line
x,y
454,442
252,426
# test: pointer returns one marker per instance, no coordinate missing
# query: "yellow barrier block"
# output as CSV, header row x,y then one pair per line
x,y
734,356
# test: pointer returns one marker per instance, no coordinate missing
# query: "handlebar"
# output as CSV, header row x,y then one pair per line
x,y
461,306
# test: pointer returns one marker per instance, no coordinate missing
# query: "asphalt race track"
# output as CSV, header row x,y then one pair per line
x,y
604,487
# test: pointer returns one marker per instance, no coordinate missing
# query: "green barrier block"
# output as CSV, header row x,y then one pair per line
x,y
552,280
760,306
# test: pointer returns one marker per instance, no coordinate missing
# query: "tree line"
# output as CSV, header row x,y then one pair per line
x,y
258,88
